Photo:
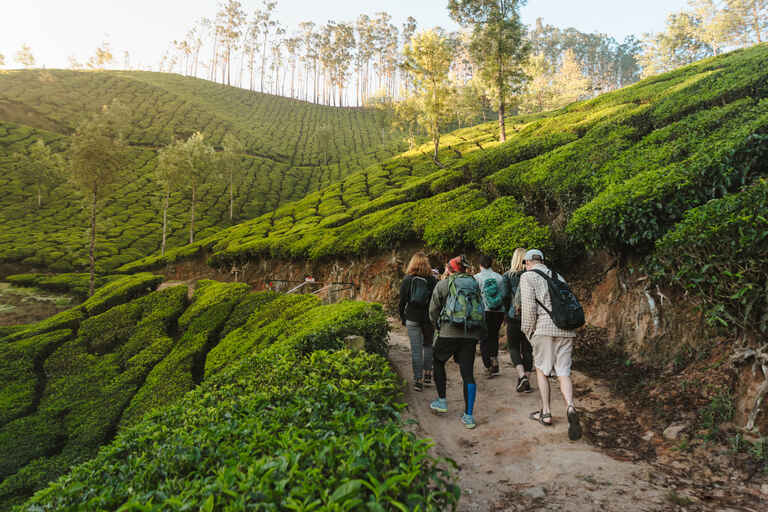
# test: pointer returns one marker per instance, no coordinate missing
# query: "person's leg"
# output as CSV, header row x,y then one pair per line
x,y
439,367
443,350
563,352
543,381
566,388
484,347
543,357
428,333
417,348
495,320
514,335
466,353
526,351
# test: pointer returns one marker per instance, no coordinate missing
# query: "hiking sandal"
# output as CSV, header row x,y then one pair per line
x,y
540,417
418,385
427,377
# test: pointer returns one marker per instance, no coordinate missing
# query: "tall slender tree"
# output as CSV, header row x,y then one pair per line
x,y
98,157
196,165
39,168
168,174
307,29
498,46
752,18
264,18
232,165
428,60
24,56
229,21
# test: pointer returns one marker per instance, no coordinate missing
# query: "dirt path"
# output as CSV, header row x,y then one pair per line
x,y
511,463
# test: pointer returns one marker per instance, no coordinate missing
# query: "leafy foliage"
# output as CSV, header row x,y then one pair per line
x,y
281,161
718,252
75,284
278,420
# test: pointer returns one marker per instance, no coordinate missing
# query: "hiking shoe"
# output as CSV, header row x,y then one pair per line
x,y
574,425
523,386
468,421
418,385
495,366
439,405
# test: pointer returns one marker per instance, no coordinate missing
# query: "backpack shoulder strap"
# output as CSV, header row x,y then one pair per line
x,y
545,276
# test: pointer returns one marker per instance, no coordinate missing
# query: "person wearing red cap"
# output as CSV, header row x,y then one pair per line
x,y
454,339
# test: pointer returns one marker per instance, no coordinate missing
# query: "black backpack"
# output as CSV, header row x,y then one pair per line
x,y
419,294
567,313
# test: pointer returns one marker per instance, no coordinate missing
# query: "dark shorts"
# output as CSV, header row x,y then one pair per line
x,y
445,348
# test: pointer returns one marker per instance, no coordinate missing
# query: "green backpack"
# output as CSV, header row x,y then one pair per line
x,y
464,305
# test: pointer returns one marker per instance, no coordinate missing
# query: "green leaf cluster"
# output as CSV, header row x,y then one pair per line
x,y
284,419
718,252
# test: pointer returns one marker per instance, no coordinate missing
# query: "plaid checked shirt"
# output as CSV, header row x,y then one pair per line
x,y
534,319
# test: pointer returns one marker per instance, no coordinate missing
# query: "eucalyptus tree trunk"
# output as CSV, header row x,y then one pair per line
x,y
165,223
92,249
231,196
192,215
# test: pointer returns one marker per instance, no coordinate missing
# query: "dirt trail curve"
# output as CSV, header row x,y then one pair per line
x,y
511,463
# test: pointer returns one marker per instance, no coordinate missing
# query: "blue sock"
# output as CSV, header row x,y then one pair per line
x,y
471,391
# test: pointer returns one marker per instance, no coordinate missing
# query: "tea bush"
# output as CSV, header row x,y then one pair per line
x,y
616,172
74,284
281,161
75,386
718,252
282,426
283,417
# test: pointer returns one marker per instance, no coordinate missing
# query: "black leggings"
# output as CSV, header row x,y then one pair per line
x,y
489,346
520,349
463,349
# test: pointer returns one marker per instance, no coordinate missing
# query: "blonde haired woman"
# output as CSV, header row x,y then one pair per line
x,y
520,349
415,294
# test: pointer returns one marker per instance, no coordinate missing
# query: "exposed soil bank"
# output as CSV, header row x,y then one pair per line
x,y
649,325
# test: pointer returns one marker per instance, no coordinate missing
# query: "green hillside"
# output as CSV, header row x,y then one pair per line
x,y
274,392
618,172
284,158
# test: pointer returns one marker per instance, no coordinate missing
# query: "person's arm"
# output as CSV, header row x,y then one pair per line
x,y
405,291
529,307
435,305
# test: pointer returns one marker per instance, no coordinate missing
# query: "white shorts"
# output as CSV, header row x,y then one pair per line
x,y
550,352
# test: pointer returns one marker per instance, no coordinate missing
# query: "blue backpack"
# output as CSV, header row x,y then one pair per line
x,y
513,283
492,294
464,305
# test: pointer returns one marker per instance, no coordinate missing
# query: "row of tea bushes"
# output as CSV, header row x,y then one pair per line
x,y
281,161
267,383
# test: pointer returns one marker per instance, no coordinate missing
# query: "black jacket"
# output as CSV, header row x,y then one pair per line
x,y
411,311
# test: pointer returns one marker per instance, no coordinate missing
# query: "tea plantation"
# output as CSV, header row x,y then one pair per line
x,y
285,157
227,399
628,171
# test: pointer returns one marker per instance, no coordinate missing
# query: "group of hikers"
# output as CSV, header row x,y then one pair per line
x,y
448,314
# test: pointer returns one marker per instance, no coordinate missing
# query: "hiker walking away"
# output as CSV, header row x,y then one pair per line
x,y
415,294
546,303
456,310
520,350
494,295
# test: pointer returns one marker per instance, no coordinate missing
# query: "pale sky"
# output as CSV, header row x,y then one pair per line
x,y
56,29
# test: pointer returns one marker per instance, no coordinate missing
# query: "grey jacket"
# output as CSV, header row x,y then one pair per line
x,y
439,296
